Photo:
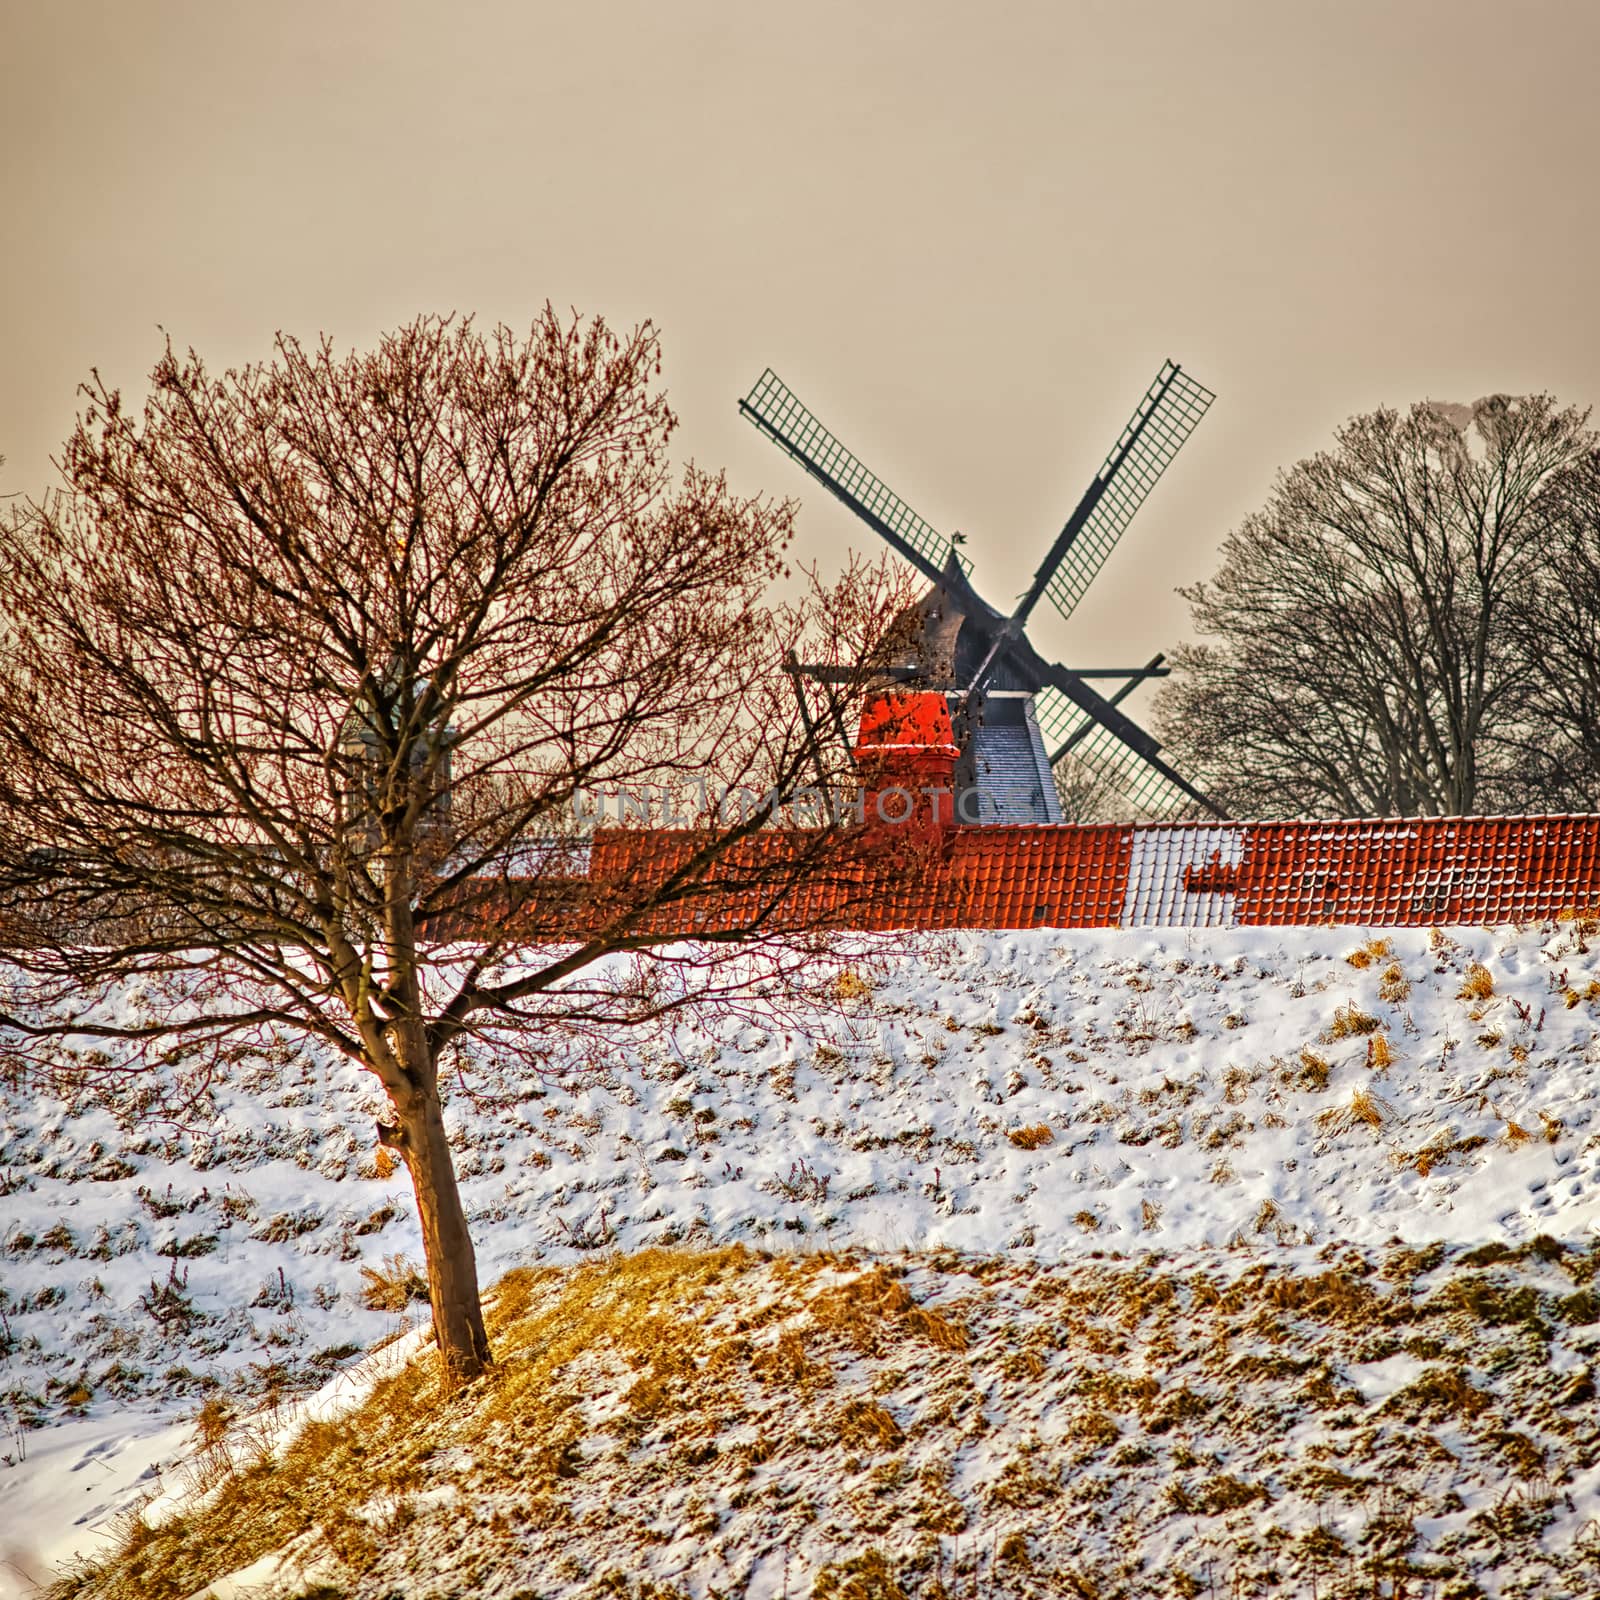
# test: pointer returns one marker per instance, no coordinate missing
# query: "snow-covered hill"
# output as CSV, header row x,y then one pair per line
x,y
692,1424
1052,1096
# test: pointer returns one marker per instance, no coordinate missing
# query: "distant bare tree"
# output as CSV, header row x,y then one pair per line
x,y
1363,656
1560,631
1084,796
301,676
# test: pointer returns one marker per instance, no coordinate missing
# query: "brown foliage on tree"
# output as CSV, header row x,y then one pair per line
x,y
301,675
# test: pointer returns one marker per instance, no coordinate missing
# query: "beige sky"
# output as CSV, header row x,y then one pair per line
x,y
966,235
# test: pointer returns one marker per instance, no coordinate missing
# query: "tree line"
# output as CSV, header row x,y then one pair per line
x,y
1409,626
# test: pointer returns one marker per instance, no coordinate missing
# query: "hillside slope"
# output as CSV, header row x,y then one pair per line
x,y
1035,1097
709,1423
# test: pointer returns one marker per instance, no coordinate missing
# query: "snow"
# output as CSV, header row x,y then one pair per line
x,y
62,1498
1378,1380
144,1269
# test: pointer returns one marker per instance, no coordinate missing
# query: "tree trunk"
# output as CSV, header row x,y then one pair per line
x,y
446,1243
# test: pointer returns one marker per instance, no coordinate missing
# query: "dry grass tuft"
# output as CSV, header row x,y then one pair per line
x,y
1393,985
1437,1151
877,1304
1313,1074
935,1328
851,986
394,1285
1269,1218
1380,1054
866,1425
1478,983
787,1364
212,1421
1349,1022
1365,1108
1422,1161
1033,1138
867,1576
1372,950
1440,1391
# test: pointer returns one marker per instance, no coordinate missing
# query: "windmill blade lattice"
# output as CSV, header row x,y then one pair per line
x,y
778,412
1149,790
1170,411
1067,710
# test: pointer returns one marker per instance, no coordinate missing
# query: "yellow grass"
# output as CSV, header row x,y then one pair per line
x,y
540,1322
1031,1138
818,1404
1313,1071
851,986
1393,985
1438,1151
1372,950
394,1285
1349,1021
1364,1109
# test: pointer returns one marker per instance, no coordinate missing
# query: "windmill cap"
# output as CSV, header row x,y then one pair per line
x,y
907,724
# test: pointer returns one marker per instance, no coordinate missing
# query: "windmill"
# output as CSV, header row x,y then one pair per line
x,y
1016,713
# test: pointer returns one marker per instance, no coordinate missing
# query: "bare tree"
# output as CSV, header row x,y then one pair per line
x,y
1363,657
302,674
1084,796
1559,632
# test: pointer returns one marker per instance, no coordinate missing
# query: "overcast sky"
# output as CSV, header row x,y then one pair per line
x,y
966,235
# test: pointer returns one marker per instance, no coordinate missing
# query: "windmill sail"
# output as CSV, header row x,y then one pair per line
x,y
775,409
1068,711
1161,423
1146,782
1170,411
1142,782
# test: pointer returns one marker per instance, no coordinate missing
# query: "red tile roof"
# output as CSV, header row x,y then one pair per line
x,y
1420,871
1392,872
